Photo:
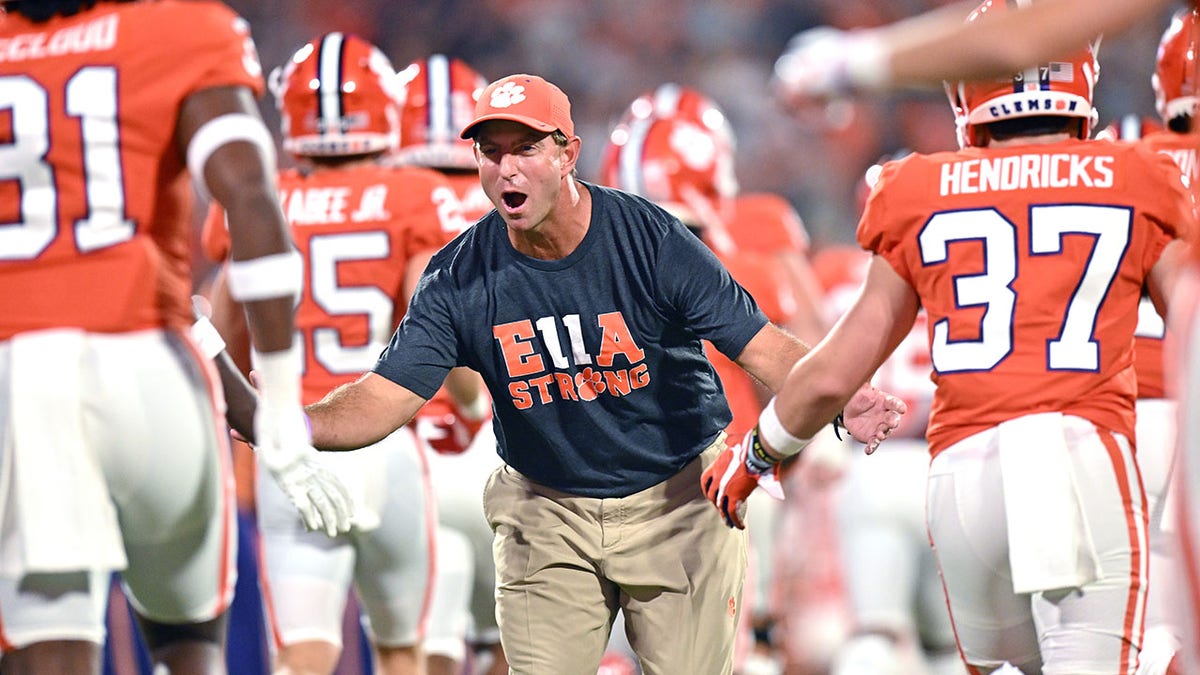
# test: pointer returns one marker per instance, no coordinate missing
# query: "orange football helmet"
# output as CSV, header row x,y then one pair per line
x,y
675,162
674,100
437,100
1062,87
336,98
1175,73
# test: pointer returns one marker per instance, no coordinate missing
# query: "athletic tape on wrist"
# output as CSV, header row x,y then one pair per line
x,y
279,374
780,439
207,338
225,129
475,410
271,276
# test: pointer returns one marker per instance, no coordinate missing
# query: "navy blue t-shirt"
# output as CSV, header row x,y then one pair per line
x,y
594,362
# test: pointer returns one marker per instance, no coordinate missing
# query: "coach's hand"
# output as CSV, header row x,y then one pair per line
x,y
285,448
735,474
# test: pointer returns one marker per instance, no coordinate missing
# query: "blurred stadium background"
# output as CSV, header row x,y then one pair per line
x,y
604,53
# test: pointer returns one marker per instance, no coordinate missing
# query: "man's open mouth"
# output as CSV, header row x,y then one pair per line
x,y
513,199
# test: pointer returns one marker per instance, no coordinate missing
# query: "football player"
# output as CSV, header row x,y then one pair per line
x,y
1028,250
365,232
114,458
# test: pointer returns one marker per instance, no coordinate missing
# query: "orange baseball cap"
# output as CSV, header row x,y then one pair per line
x,y
527,99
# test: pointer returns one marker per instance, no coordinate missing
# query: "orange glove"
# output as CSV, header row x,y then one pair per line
x,y
731,479
444,427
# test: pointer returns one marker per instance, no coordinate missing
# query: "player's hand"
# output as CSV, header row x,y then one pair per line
x,y
443,426
285,448
730,480
871,415
812,68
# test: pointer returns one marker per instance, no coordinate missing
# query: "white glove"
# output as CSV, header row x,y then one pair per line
x,y
825,62
284,444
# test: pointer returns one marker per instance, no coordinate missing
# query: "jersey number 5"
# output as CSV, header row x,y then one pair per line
x,y
91,97
1075,348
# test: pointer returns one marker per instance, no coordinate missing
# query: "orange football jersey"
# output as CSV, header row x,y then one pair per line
x,y
766,222
1029,263
472,199
356,228
1182,148
92,184
1151,330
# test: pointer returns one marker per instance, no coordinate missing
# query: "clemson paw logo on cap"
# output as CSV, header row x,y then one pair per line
x,y
508,94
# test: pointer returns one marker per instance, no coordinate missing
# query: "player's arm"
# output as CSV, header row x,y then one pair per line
x,y
1164,274
817,387
231,155
826,62
230,149
1007,42
823,382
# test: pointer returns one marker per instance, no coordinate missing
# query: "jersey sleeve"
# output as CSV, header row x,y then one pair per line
x,y
697,286
878,230
768,222
1165,201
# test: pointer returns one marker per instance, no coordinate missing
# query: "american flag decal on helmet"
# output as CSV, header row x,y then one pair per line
x,y
1059,71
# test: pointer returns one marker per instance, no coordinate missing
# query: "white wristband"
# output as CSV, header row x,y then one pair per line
x,y
207,338
225,129
279,374
771,430
475,410
272,276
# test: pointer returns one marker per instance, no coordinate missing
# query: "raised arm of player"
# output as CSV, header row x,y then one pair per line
x,y
823,62
826,380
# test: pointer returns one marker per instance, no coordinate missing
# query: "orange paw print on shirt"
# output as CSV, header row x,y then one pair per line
x,y
589,383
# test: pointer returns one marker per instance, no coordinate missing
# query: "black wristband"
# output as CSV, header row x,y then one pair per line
x,y
757,459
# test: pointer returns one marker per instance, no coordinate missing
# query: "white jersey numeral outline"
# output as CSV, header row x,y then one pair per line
x,y
325,253
1074,348
90,96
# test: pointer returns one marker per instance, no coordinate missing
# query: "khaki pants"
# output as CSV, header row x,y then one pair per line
x,y
566,564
